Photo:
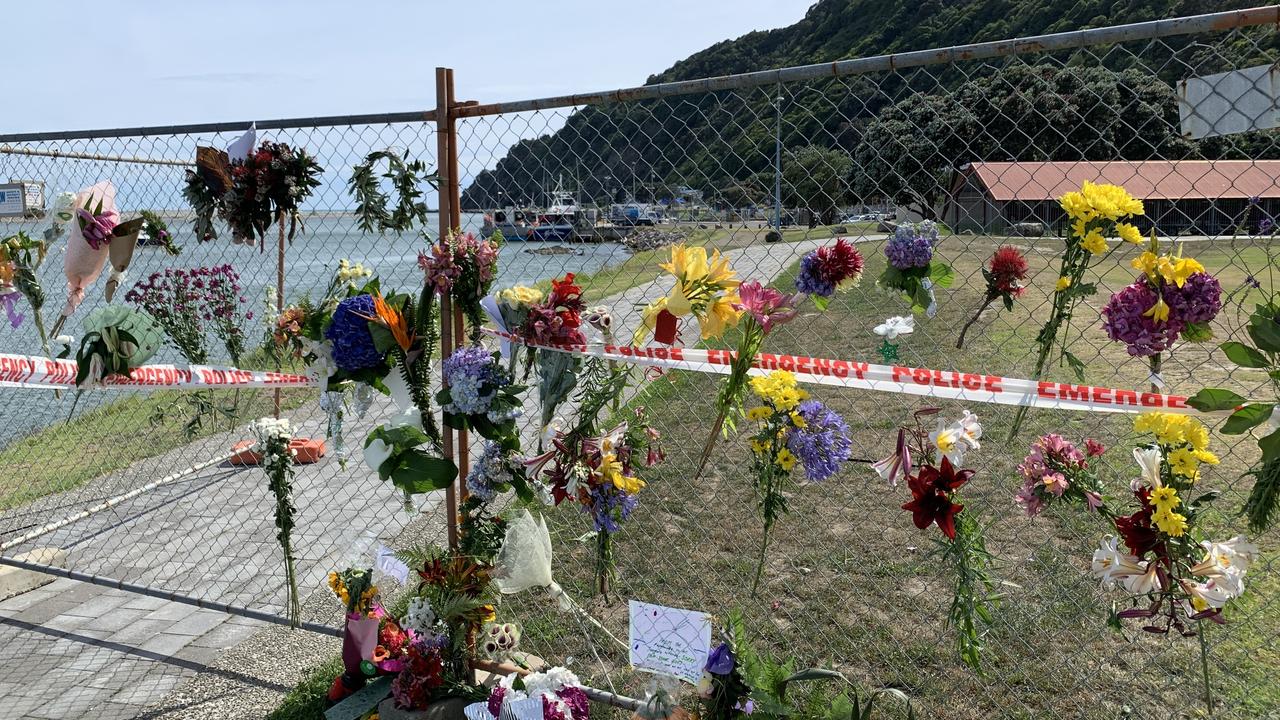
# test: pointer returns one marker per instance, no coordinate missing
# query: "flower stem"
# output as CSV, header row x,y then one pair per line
x,y
1204,668
1155,373
986,304
764,545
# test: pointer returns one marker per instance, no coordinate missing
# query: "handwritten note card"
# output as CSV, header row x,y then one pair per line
x,y
669,641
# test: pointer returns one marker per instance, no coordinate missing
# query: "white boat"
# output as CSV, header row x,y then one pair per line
x,y
557,223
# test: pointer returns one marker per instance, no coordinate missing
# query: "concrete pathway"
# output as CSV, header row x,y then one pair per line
x,y
210,534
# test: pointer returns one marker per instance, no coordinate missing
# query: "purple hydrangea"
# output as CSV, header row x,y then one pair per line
x,y
610,507
468,372
811,279
822,444
353,347
911,245
495,469
1124,321
1197,301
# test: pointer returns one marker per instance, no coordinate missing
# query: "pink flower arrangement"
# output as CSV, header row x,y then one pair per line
x,y
1055,468
96,226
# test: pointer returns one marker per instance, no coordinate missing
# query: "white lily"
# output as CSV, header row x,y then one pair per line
x,y
892,327
1225,563
1203,596
1144,584
376,452
954,440
971,428
1111,564
1148,459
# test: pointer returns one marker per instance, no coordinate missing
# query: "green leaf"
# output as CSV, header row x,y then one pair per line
x,y
1077,366
1247,418
815,674
1008,301
1270,445
418,472
1214,399
820,302
383,340
1244,356
941,274
1265,332
1197,332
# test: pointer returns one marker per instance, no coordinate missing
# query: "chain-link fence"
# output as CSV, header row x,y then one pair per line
x,y
764,168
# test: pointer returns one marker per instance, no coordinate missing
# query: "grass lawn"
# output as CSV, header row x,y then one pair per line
x,y
852,584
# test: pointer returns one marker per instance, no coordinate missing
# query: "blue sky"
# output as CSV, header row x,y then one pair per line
x,y
83,65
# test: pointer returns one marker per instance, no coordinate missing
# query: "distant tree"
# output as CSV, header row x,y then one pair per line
x,y
740,195
907,153
816,178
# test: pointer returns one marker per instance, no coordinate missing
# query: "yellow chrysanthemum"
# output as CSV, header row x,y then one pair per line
x,y
1110,201
1170,523
1206,457
1063,283
1094,243
1129,233
786,459
798,420
1183,461
779,389
1165,498
759,447
759,413
1076,206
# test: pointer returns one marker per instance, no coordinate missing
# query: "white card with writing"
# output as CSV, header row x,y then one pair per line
x,y
669,640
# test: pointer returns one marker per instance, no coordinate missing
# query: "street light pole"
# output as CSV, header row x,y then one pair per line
x,y
777,164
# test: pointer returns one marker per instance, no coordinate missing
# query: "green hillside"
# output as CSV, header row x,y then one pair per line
x,y
900,129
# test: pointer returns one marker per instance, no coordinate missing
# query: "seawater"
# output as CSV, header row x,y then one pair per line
x,y
310,261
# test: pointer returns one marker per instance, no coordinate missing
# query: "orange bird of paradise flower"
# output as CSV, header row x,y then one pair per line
x,y
391,319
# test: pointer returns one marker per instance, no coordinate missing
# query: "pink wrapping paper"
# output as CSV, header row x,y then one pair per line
x,y
81,263
359,639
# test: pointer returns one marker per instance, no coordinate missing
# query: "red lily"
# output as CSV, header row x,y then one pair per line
x,y
931,491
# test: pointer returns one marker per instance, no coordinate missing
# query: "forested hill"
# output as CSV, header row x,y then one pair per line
x,y
722,144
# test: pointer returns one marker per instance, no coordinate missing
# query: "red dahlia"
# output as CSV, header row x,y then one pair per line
x,y
839,262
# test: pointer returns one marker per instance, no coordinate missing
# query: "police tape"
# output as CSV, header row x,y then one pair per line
x,y
900,379
29,371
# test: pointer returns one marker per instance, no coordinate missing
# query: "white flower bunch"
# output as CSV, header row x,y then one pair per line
x,y
550,681
269,428
348,274
420,617
1222,571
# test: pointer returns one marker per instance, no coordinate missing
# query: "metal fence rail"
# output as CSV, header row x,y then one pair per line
x,y
850,583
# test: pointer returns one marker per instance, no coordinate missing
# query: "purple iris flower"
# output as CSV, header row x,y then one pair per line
x,y
720,661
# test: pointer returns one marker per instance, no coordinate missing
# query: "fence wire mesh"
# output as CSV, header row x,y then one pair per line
x,y
849,582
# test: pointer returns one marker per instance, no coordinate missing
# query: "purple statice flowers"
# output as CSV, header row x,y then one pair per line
x,y
912,245
353,347
182,300
820,441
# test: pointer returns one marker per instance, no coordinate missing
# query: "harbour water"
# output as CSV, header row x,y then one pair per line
x,y
311,260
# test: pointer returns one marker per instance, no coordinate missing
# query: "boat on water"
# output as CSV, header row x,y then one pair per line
x,y
559,222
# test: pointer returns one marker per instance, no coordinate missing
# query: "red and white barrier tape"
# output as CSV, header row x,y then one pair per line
x,y
945,384
31,371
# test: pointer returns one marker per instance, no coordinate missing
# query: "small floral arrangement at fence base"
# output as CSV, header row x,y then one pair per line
x,y
1263,354
1095,212
358,593
935,500
1005,274
1175,298
554,694
793,430
912,268
274,435
478,393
